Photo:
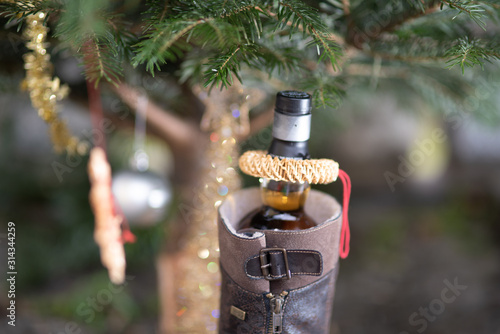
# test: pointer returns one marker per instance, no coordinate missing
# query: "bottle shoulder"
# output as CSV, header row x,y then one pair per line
x,y
268,218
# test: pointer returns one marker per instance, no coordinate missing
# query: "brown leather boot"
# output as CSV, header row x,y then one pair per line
x,y
278,281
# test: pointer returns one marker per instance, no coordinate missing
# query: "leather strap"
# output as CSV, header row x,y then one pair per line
x,y
278,263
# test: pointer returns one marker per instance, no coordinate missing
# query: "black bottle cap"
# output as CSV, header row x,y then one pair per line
x,y
293,102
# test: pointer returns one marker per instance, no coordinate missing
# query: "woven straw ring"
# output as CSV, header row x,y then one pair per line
x,y
313,171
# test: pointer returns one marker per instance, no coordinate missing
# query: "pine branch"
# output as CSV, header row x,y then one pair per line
x,y
370,22
472,9
163,43
299,14
234,27
90,29
100,61
223,68
162,7
215,41
463,52
326,91
469,53
439,26
93,60
123,38
19,10
272,55
168,40
423,11
279,57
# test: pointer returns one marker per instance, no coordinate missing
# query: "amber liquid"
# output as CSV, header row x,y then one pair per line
x,y
283,209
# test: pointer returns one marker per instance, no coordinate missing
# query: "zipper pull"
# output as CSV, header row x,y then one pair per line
x,y
277,309
277,303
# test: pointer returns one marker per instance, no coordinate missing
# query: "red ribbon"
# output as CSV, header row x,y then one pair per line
x,y
345,233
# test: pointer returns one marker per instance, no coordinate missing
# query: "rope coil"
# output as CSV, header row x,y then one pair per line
x,y
314,171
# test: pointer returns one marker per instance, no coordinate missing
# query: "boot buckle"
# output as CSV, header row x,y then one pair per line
x,y
265,265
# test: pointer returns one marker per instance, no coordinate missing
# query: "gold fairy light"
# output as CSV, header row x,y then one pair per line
x,y
225,118
45,90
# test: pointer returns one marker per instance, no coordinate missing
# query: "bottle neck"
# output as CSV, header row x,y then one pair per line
x,y
289,149
284,196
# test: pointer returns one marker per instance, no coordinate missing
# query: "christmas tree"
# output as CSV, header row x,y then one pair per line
x,y
310,44
439,50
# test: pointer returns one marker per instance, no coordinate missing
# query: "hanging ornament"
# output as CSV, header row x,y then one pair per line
x,y
142,196
108,232
111,229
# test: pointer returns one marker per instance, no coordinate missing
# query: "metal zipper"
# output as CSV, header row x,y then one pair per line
x,y
276,318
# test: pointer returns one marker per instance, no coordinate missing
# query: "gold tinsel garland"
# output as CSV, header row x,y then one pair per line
x,y
45,90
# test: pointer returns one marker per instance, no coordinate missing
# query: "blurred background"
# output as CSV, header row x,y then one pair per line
x,y
424,212
435,219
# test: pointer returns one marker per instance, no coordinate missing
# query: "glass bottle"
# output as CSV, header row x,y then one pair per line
x,y
283,202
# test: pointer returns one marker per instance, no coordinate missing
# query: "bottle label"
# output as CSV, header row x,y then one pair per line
x,y
292,128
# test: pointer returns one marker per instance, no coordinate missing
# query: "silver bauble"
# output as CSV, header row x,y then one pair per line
x,y
143,197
